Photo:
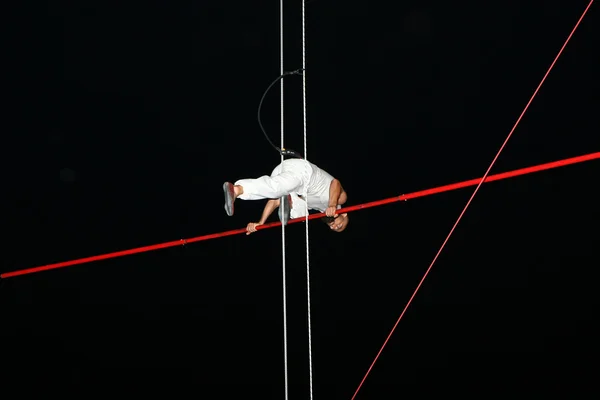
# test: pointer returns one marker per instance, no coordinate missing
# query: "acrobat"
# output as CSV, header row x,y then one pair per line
x,y
285,188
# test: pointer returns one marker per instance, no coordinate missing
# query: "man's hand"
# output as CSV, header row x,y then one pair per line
x,y
252,227
331,211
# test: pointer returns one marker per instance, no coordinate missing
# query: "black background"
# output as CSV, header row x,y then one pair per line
x,y
123,120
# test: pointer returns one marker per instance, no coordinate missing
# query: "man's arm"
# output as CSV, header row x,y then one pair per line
x,y
267,211
337,195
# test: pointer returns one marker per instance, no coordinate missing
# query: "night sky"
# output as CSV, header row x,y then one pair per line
x,y
124,119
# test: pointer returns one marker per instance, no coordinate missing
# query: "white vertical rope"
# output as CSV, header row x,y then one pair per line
x,y
310,372
285,344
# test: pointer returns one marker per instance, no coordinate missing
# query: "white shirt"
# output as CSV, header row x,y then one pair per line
x,y
318,189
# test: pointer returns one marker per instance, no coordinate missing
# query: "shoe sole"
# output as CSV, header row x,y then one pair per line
x,y
228,192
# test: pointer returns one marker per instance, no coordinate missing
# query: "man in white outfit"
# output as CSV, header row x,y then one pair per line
x,y
297,184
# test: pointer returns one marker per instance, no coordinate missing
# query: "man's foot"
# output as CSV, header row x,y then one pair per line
x,y
229,193
285,206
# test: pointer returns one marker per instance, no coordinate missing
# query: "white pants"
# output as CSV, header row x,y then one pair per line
x,y
289,177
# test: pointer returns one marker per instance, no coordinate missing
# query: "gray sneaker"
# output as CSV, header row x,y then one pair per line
x,y
229,197
285,206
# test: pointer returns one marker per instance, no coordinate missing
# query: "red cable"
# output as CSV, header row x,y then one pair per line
x,y
404,197
472,196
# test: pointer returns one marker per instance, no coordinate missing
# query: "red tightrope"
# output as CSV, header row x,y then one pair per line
x,y
404,197
483,179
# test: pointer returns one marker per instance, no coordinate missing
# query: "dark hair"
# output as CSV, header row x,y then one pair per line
x,y
327,220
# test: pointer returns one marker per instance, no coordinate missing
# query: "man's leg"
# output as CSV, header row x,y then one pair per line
x,y
291,206
298,206
286,178
268,187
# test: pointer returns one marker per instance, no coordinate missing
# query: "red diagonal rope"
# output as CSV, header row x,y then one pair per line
x,y
404,197
472,196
